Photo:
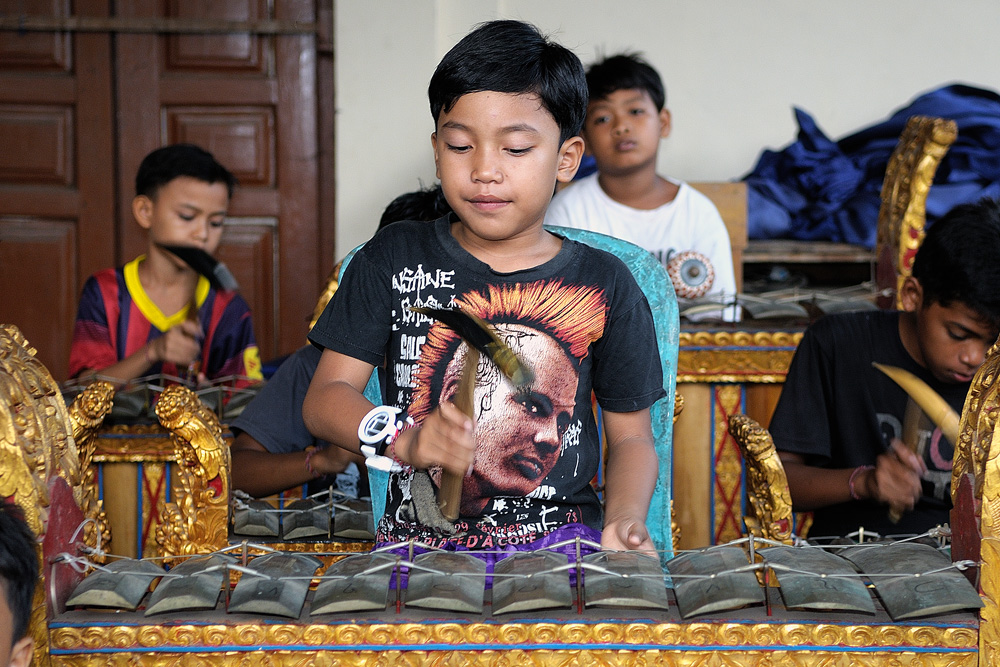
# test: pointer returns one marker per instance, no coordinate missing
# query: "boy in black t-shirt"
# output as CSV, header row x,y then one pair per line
x,y
838,421
508,106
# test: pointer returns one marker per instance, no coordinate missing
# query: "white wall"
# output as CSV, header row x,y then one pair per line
x,y
733,70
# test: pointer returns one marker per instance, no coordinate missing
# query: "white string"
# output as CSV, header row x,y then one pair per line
x,y
97,550
82,564
241,501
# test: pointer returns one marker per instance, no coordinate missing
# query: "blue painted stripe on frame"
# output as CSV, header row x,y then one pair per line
x,y
237,648
138,509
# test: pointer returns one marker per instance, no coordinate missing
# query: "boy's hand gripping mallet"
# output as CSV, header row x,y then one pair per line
x,y
928,401
481,338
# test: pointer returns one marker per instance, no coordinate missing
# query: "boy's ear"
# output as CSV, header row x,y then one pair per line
x,y
911,295
664,123
21,652
142,211
434,147
570,155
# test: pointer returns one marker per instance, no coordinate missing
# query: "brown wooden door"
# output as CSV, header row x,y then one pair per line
x,y
56,174
79,111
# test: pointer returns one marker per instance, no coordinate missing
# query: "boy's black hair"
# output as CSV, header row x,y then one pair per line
x,y
625,71
959,259
169,162
18,567
513,57
426,204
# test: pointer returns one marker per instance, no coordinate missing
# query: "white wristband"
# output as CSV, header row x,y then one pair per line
x,y
379,428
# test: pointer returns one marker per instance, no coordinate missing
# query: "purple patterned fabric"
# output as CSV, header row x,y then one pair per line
x,y
567,533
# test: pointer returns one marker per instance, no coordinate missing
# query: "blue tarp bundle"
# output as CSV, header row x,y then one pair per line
x,y
817,189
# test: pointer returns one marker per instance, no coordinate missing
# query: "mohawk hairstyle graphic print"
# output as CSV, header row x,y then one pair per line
x,y
573,315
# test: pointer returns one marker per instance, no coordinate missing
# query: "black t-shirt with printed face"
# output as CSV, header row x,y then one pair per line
x,y
838,411
579,321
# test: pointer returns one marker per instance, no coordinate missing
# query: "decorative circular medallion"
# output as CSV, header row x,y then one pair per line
x,y
691,273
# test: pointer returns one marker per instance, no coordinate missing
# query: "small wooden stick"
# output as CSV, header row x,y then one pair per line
x,y
450,496
911,431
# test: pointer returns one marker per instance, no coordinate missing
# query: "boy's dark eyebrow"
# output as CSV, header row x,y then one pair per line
x,y
970,332
184,204
639,94
192,207
510,129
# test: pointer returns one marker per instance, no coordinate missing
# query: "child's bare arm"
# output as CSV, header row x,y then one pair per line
x,y
894,481
631,475
262,473
335,405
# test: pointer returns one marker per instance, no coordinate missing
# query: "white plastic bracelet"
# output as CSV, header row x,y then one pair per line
x,y
379,428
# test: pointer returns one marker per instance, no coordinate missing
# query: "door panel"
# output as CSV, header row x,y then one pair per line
x,y
38,272
240,138
56,189
248,249
38,144
235,53
37,51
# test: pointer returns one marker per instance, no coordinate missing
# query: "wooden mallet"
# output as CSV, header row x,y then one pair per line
x,y
481,338
921,399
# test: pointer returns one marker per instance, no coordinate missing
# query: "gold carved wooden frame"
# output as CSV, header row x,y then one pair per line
x,y
40,438
903,214
198,522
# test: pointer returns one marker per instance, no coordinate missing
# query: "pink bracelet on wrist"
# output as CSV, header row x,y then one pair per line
x,y
309,454
392,443
854,475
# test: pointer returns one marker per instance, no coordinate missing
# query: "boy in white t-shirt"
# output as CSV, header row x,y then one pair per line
x,y
626,198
